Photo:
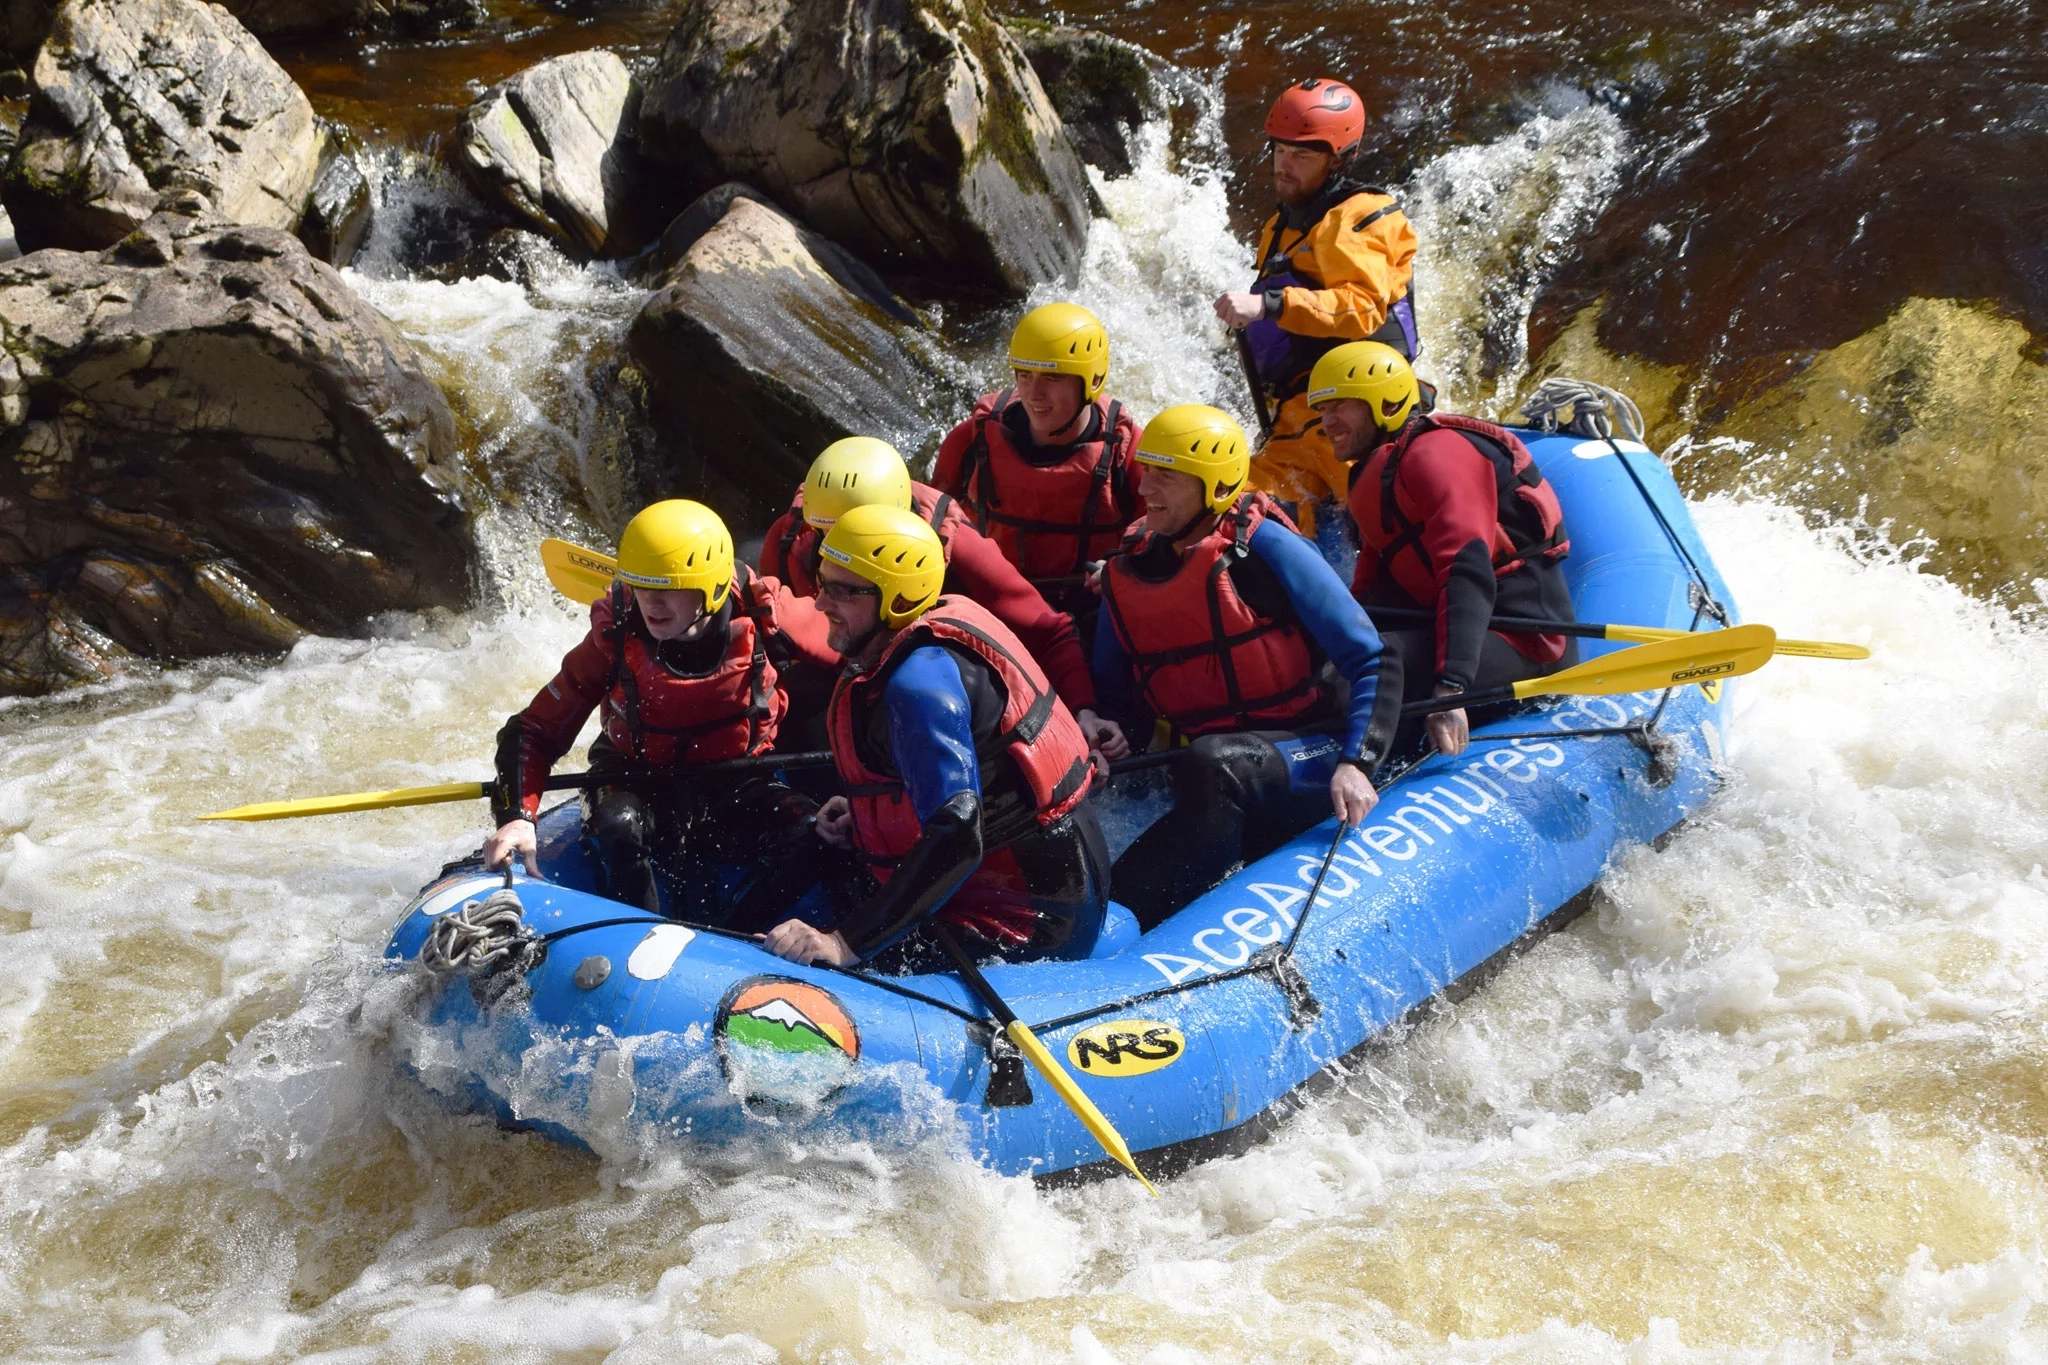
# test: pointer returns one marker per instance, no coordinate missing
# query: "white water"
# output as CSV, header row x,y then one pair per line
x,y
1780,1098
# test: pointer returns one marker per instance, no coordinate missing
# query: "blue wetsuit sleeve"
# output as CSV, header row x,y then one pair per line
x,y
931,729
1331,614
1111,668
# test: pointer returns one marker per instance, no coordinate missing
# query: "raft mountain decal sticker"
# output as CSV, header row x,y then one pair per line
x,y
780,1014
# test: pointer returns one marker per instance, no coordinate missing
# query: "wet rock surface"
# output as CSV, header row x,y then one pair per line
x,y
764,343
208,443
135,97
912,132
338,209
557,146
1106,90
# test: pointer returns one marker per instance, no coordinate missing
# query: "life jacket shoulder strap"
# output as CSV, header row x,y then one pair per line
x,y
977,474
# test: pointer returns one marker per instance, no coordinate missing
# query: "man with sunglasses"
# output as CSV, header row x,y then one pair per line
x,y
964,774
1336,264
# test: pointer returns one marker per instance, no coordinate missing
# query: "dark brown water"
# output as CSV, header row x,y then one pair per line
x,y
414,91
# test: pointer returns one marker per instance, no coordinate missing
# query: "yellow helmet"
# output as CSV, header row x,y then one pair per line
x,y
678,544
1203,441
1063,338
853,472
1371,371
897,551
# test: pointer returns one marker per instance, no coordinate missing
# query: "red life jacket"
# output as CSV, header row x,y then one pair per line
x,y
660,717
1049,520
1528,522
1041,736
1206,661
800,540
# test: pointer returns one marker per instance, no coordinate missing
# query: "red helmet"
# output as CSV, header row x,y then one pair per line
x,y
1318,110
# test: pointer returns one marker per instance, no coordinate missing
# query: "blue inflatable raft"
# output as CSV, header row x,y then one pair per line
x,y
1192,1039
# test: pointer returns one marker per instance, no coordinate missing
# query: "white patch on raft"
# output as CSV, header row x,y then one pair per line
x,y
1593,450
658,951
455,893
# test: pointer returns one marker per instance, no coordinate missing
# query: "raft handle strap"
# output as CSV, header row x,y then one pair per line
x,y
1277,962
1009,1086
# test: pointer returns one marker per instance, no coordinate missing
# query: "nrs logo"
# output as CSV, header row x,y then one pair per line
x,y
1126,1047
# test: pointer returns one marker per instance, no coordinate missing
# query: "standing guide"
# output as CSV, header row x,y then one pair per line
x,y
1222,621
1455,524
1044,467
861,471
964,775
1335,265
683,658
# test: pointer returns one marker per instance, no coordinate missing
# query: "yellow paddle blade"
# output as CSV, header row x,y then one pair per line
x,y
336,805
1690,658
1084,1108
1805,649
578,574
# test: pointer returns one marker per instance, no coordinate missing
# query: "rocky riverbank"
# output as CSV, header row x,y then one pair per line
x,y
209,442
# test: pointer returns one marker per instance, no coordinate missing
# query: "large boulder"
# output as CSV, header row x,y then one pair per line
x,y
1107,90
764,343
132,98
208,443
911,131
557,146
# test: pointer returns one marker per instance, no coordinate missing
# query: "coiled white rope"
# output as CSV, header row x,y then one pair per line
x,y
1583,408
479,937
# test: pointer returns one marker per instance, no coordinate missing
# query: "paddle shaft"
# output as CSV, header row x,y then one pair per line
x,y
790,762
1021,1037
971,974
1596,630
1584,630
737,767
1251,379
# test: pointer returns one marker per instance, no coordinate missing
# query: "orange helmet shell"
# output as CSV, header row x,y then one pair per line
x,y
1319,110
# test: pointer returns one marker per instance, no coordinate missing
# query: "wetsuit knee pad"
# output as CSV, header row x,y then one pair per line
x,y
616,820
1236,767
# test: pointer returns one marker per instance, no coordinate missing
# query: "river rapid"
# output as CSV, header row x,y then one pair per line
x,y
1781,1097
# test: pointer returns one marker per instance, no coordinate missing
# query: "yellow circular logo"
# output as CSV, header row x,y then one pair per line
x,y
1125,1047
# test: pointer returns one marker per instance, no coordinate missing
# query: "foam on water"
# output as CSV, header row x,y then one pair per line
x,y
1780,1098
